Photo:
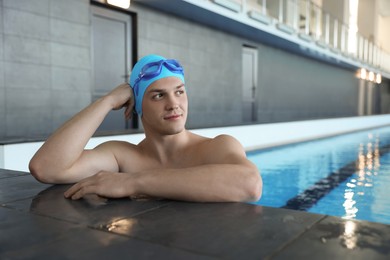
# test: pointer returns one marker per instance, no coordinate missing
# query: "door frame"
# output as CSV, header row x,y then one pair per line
x,y
107,11
254,53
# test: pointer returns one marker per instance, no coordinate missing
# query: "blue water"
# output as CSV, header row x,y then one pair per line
x,y
346,176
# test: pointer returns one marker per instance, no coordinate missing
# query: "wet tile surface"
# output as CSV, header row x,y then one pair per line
x,y
19,187
28,236
335,238
9,173
218,229
21,230
36,221
93,211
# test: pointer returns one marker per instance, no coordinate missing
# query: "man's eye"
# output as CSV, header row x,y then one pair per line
x,y
157,96
180,92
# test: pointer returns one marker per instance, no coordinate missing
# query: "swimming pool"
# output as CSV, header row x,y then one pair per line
x,y
346,176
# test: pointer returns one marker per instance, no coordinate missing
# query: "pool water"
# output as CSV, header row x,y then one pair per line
x,y
346,176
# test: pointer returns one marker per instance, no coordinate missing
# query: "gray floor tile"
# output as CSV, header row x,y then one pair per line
x,y
21,187
336,238
45,238
20,230
10,174
91,249
36,221
228,230
92,211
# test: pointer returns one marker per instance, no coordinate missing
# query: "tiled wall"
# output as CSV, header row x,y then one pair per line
x,y
45,64
212,63
290,87
45,70
2,88
295,88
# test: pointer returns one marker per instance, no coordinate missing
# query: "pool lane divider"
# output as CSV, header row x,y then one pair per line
x,y
309,197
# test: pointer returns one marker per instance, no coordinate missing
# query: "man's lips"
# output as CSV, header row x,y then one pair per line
x,y
172,117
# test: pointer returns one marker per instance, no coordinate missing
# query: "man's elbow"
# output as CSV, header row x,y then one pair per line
x,y
254,187
37,170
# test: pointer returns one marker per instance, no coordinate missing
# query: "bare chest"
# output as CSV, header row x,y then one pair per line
x,y
140,162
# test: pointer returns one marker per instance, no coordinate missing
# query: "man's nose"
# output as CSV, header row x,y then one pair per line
x,y
172,102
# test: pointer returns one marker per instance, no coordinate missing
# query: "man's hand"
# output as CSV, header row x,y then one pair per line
x,y
105,184
122,96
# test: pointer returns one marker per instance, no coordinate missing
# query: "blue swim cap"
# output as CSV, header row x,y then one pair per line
x,y
143,84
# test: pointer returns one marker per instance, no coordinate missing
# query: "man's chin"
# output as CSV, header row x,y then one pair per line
x,y
173,130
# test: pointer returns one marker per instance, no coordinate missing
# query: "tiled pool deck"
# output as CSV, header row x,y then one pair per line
x,y
37,222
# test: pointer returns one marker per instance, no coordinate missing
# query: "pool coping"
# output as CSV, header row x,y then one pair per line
x,y
252,137
37,222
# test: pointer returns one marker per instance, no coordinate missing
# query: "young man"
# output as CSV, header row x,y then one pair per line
x,y
171,162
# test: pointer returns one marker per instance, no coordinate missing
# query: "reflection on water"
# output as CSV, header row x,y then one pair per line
x,y
343,176
364,194
349,204
360,185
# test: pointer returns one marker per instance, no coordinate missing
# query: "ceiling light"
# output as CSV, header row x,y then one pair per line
x,y
363,73
371,76
120,3
378,78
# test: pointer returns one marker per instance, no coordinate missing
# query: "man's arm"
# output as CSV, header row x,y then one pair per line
x,y
62,158
227,176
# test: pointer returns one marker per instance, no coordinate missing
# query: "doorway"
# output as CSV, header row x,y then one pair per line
x,y
111,56
249,84
369,98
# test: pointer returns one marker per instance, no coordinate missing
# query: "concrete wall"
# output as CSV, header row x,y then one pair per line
x,y
384,92
211,59
45,70
295,88
2,87
290,87
44,64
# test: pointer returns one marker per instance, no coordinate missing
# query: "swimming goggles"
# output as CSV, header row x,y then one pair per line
x,y
153,69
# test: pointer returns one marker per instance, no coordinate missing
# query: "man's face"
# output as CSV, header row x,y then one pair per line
x,y
165,106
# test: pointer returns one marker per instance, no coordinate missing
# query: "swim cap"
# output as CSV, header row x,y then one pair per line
x,y
144,83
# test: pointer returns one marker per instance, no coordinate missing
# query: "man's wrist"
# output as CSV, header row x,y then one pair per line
x,y
136,184
107,101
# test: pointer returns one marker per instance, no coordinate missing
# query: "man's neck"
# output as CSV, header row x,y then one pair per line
x,y
166,147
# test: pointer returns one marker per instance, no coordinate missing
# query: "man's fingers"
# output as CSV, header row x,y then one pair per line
x,y
128,112
83,191
104,184
75,188
70,191
80,192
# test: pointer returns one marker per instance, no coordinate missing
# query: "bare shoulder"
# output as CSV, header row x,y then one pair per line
x,y
224,148
114,145
226,143
128,156
117,148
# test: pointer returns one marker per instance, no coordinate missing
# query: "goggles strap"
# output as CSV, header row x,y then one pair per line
x,y
171,65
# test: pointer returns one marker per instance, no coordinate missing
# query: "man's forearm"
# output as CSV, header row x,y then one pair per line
x,y
207,183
